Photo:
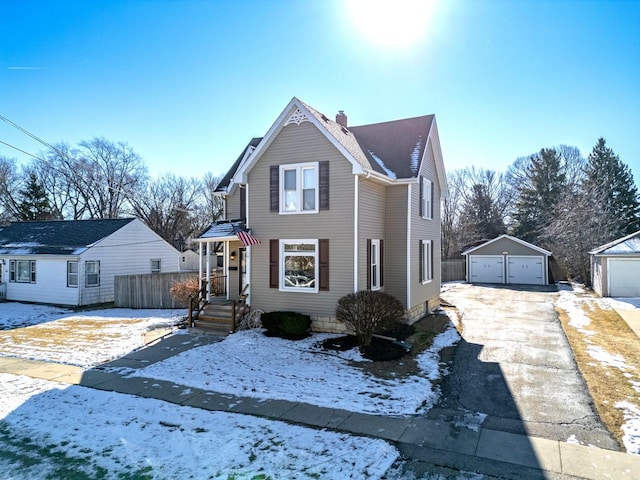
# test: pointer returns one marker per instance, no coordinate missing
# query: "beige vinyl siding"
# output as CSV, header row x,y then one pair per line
x,y
371,218
125,252
395,247
425,229
505,245
299,144
232,205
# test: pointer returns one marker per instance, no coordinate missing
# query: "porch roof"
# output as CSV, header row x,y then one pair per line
x,y
229,230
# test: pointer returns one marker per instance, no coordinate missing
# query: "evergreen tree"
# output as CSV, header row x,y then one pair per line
x,y
33,203
539,194
613,181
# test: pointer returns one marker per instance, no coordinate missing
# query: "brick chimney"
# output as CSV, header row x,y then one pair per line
x,y
341,119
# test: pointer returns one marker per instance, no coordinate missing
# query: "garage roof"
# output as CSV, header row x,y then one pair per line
x,y
622,246
508,237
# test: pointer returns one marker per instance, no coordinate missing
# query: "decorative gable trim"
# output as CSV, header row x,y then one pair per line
x,y
297,117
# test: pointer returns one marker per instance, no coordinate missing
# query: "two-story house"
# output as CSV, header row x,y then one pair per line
x,y
317,209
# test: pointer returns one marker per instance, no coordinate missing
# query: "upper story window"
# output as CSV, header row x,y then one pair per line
x,y
299,188
22,271
426,198
92,273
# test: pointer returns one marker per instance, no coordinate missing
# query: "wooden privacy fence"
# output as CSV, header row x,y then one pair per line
x,y
150,290
453,270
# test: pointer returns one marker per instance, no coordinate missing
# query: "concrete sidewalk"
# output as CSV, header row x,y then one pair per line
x,y
430,446
631,317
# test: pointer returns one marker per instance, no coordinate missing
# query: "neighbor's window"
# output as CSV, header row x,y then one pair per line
x,y
92,273
426,200
299,264
155,265
72,274
299,188
22,271
426,261
375,265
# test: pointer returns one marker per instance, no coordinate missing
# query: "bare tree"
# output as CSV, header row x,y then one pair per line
x,y
10,184
210,208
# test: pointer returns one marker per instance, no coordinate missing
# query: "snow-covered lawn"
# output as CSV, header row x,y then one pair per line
x,y
251,364
50,430
576,304
86,339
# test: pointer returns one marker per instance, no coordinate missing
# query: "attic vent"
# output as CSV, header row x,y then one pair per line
x,y
324,117
297,117
345,131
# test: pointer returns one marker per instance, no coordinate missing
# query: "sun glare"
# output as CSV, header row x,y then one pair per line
x,y
391,23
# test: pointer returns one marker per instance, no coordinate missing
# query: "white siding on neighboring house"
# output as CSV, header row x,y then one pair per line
x,y
50,285
127,251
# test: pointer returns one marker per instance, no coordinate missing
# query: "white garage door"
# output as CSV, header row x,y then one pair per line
x,y
624,277
486,269
525,270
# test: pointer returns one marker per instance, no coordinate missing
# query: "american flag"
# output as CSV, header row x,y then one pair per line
x,y
247,239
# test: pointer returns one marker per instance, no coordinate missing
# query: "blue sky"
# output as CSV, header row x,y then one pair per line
x,y
188,83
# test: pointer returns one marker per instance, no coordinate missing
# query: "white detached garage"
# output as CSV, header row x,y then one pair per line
x,y
615,267
507,260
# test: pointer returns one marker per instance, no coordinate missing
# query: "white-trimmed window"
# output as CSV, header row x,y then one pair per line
x,y
299,265
426,261
426,198
22,271
299,188
72,273
375,265
156,264
92,273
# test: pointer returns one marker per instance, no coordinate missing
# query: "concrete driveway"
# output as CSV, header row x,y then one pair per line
x,y
514,364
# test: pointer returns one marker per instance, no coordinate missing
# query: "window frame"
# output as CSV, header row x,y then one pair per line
x,y
282,264
13,271
374,264
159,269
299,169
71,274
87,273
426,261
426,198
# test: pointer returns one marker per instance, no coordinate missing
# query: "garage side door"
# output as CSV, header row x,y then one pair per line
x,y
486,269
624,277
525,270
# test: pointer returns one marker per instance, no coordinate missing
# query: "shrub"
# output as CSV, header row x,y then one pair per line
x,y
182,291
286,324
366,312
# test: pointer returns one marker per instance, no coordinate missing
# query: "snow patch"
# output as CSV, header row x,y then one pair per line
x,y
631,427
390,173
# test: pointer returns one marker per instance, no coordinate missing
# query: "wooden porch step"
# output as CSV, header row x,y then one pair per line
x,y
214,324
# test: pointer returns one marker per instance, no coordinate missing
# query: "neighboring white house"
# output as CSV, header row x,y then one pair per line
x,y
73,262
615,267
507,260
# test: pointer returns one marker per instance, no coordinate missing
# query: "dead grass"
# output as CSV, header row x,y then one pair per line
x,y
608,385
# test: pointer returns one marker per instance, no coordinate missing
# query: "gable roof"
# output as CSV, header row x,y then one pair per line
x,y
508,237
226,180
57,237
391,151
622,246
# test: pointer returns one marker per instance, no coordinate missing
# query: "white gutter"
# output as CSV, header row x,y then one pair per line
x,y
355,233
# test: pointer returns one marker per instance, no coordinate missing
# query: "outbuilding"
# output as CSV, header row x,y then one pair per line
x,y
615,267
507,260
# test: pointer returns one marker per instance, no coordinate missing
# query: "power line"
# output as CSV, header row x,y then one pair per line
x,y
26,132
18,149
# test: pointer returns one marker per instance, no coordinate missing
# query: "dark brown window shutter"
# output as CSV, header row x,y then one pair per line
x,y
323,183
420,262
243,202
368,264
323,264
421,195
274,257
381,268
274,179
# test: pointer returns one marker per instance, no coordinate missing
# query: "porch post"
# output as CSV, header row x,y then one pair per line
x,y
199,264
208,271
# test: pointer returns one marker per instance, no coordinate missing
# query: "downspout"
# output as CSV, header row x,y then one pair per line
x,y
409,246
355,233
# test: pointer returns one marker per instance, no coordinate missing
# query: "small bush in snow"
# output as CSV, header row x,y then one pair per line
x,y
183,291
366,312
286,324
